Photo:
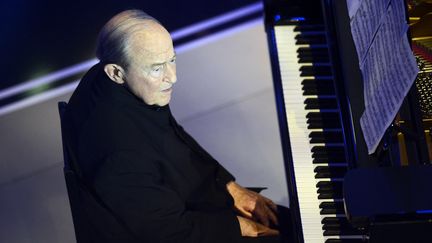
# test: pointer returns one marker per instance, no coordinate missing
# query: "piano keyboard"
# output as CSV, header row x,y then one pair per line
x,y
315,133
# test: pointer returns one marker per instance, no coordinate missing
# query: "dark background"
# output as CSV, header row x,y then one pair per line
x,y
40,37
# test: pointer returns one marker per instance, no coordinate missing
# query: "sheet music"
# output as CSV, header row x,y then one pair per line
x,y
387,63
365,24
353,6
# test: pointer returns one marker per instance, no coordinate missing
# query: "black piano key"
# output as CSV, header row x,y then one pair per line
x,y
324,124
342,232
317,82
321,103
334,221
326,154
321,124
330,226
304,38
346,225
315,70
328,150
323,159
324,120
337,185
318,87
311,34
309,51
308,59
313,59
329,189
335,190
326,137
328,159
328,195
330,116
339,224
346,241
330,171
331,208
319,92
313,55
309,27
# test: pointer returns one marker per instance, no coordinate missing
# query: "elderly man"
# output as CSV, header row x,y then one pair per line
x,y
156,183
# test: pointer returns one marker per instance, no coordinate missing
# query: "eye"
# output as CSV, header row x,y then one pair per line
x,y
157,68
173,61
156,71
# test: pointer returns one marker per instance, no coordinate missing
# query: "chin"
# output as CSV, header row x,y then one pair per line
x,y
164,103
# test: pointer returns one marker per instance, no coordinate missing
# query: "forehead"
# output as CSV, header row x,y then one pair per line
x,y
150,42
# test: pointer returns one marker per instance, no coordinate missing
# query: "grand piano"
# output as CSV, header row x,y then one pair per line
x,y
319,96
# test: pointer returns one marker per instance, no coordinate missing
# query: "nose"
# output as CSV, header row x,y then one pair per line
x,y
170,74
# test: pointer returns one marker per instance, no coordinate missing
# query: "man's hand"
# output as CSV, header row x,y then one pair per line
x,y
252,205
250,228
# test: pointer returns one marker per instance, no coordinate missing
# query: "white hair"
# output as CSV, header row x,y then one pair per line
x,y
112,44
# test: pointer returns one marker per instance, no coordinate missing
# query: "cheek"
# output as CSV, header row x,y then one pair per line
x,y
139,88
152,86
148,89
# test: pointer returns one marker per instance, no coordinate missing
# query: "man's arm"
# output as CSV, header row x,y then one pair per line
x,y
252,205
246,203
251,228
134,189
222,175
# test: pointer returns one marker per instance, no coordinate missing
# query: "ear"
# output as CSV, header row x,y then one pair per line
x,y
115,73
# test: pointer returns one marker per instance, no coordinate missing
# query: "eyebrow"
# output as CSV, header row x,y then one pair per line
x,y
162,63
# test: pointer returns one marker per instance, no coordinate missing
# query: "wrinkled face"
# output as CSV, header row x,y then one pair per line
x,y
152,68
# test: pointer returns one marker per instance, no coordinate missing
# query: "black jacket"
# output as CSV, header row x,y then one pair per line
x,y
153,181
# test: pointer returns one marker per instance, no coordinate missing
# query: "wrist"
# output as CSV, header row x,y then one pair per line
x,y
231,186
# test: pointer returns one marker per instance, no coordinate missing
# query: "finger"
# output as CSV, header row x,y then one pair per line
x,y
267,216
273,217
262,216
244,213
248,227
271,204
269,232
265,231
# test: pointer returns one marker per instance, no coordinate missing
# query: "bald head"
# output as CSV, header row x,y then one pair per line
x,y
148,40
115,38
138,53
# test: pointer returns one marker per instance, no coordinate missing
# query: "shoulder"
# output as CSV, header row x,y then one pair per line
x,y
110,142
113,123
